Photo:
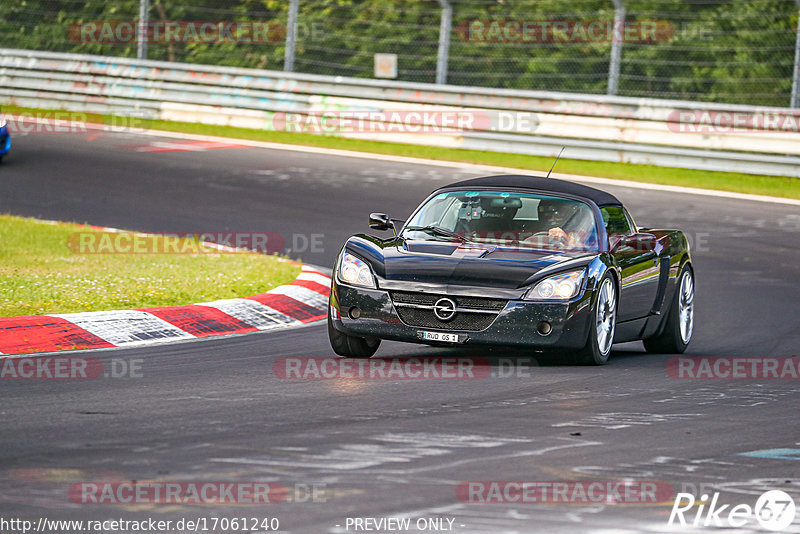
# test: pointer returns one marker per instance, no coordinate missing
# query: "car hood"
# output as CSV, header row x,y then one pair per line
x,y
469,265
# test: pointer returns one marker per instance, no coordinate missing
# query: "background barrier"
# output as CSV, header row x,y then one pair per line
x,y
670,133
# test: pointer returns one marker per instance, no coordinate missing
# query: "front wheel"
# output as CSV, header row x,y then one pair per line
x,y
351,346
679,321
604,321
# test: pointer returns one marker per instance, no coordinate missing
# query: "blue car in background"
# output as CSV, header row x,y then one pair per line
x,y
5,137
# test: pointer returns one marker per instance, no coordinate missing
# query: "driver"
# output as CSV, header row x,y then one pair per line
x,y
553,215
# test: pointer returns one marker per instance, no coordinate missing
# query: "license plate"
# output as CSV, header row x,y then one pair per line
x,y
440,336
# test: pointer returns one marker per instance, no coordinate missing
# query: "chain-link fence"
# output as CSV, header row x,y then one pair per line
x,y
733,51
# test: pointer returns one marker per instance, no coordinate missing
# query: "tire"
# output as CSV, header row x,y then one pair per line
x,y
351,346
679,321
603,324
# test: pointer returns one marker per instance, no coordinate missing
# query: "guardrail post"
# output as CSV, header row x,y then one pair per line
x,y
616,47
795,100
444,41
141,31
291,36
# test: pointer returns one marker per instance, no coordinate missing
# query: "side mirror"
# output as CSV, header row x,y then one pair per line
x,y
380,221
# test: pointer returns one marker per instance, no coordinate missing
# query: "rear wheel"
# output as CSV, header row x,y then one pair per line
x,y
351,346
604,321
679,321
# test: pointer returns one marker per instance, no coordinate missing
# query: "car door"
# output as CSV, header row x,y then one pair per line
x,y
638,265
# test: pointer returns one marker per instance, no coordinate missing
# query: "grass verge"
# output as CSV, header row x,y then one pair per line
x,y
39,273
779,186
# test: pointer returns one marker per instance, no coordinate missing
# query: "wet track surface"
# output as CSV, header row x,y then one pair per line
x,y
214,410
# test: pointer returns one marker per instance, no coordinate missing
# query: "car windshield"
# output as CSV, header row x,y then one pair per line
x,y
508,219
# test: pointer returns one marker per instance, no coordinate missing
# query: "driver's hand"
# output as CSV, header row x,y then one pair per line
x,y
558,234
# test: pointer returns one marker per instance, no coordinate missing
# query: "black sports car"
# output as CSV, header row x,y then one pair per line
x,y
514,260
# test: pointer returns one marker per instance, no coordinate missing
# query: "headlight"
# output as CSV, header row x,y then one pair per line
x,y
559,287
355,271
2,121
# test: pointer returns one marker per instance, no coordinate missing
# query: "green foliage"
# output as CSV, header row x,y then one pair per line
x,y
737,51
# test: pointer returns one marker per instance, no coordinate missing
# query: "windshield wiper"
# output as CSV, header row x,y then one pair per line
x,y
438,230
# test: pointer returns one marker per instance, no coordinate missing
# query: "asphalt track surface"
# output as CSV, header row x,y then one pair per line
x,y
214,410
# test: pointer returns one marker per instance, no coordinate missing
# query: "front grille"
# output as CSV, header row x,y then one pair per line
x,y
476,303
486,311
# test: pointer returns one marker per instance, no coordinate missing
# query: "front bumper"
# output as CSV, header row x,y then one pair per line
x,y
515,325
5,140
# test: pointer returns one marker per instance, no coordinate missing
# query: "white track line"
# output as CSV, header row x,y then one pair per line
x,y
459,165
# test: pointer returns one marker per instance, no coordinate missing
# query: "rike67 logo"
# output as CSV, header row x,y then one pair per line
x,y
774,510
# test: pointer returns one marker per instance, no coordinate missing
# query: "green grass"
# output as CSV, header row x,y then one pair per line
x,y
738,182
40,273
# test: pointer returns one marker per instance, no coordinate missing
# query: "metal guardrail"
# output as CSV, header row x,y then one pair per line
x,y
592,127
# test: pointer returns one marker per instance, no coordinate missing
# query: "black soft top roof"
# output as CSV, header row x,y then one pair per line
x,y
541,184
